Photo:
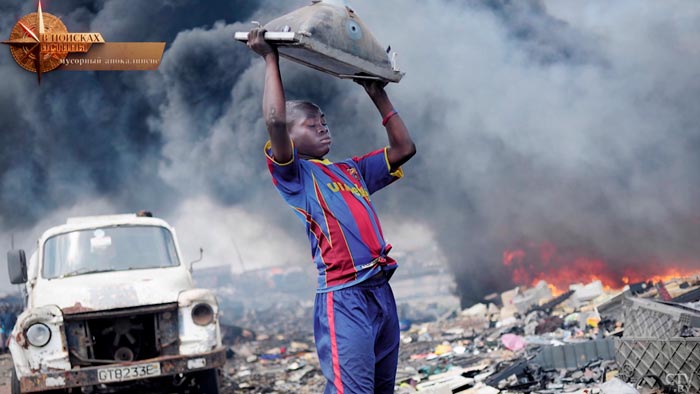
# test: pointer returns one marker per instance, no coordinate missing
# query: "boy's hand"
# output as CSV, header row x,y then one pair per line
x,y
256,42
373,87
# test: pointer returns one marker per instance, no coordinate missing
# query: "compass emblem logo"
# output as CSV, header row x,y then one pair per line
x,y
40,43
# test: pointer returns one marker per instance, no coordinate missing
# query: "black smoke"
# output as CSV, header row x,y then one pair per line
x,y
573,124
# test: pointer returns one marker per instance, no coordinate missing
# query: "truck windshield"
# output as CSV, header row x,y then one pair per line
x,y
108,249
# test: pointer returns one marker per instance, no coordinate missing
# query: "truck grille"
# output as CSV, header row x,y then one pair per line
x,y
132,334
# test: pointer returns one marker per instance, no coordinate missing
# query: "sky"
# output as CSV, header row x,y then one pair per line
x,y
564,123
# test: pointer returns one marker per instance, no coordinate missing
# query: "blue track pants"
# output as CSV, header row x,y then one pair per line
x,y
357,337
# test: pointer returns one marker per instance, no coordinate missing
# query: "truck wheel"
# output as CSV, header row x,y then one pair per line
x,y
14,383
208,381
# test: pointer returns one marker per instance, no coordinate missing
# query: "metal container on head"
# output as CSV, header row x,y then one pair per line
x,y
331,37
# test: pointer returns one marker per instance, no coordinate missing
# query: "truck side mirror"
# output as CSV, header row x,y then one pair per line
x,y
17,266
201,256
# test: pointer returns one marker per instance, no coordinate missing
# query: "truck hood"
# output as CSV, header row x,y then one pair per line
x,y
112,290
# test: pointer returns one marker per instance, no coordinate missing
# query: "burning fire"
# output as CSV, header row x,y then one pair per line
x,y
533,263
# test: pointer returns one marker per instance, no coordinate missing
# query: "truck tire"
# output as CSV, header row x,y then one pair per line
x,y
14,383
208,381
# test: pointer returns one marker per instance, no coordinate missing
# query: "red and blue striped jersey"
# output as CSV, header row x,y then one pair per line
x,y
333,202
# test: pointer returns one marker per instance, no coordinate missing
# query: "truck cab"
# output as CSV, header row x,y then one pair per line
x,y
110,306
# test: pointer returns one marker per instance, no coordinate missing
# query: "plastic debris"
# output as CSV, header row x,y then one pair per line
x,y
513,342
617,386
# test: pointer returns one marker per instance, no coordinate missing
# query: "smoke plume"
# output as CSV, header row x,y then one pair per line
x,y
570,123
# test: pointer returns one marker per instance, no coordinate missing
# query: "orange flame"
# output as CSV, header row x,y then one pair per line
x,y
533,263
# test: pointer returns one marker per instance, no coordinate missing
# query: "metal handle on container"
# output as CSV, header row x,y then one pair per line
x,y
272,36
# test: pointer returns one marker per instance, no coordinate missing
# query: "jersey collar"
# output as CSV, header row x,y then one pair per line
x,y
322,161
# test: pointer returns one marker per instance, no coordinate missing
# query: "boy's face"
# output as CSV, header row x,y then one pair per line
x,y
310,133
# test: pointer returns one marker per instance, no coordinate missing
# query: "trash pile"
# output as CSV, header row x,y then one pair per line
x,y
275,364
661,345
276,355
586,340
533,342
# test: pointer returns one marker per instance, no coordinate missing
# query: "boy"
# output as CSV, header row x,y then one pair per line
x,y
355,321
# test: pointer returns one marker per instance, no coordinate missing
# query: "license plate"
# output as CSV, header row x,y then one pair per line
x,y
131,372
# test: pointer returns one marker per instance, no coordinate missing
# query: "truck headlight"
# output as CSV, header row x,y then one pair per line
x,y
202,314
38,334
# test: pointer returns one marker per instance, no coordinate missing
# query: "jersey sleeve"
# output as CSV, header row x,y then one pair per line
x,y
285,176
376,170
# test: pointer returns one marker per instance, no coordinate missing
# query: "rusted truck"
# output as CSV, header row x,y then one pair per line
x,y
111,307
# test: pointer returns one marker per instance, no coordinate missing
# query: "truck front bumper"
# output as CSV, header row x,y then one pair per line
x,y
79,377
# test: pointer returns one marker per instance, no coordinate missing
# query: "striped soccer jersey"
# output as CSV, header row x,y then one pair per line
x,y
332,200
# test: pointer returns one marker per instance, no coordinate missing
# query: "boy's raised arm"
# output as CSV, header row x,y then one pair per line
x,y
273,97
401,146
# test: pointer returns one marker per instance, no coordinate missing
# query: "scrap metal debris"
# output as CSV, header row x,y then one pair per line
x,y
588,340
523,341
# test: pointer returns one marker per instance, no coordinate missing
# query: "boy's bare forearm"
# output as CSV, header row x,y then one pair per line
x,y
273,96
401,145
274,109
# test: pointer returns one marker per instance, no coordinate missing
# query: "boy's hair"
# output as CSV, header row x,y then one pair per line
x,y
297,108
